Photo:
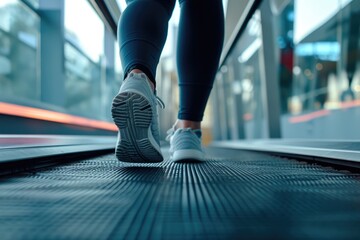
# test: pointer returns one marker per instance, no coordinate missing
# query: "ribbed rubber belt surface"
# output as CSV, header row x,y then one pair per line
x,y
234,194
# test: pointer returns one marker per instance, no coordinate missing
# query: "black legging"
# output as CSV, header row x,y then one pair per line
x,y
142,34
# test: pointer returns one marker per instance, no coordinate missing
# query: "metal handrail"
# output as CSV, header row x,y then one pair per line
x,y
248,12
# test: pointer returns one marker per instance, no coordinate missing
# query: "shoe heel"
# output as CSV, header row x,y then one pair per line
x,y
132,114
131,106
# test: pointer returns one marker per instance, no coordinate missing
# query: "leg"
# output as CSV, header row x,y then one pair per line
x,y
200,41
142,34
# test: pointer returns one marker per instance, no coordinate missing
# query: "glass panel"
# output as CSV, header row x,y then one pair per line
x,y
319,67
86,81
243,79
82,85
86,32
19,51
85,66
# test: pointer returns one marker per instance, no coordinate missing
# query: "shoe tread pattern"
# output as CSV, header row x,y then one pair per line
x,y
132,114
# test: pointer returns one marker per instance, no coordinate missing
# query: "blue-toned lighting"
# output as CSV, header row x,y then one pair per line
x,y
322,50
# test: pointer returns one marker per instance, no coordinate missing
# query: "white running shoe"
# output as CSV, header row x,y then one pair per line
x,y
134,111
185,144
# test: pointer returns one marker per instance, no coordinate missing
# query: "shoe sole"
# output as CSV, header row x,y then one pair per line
x,y
132,114
187,155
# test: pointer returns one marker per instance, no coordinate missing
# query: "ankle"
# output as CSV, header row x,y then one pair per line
x,y
139,71
181,123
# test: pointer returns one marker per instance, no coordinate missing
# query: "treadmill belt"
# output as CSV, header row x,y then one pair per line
x,y
235,194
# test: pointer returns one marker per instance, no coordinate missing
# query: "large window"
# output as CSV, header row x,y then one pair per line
x,y
19,51
316,51
318,43
58,55
242,85
84,52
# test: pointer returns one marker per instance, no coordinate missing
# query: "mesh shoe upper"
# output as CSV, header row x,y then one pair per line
x,y
185,143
